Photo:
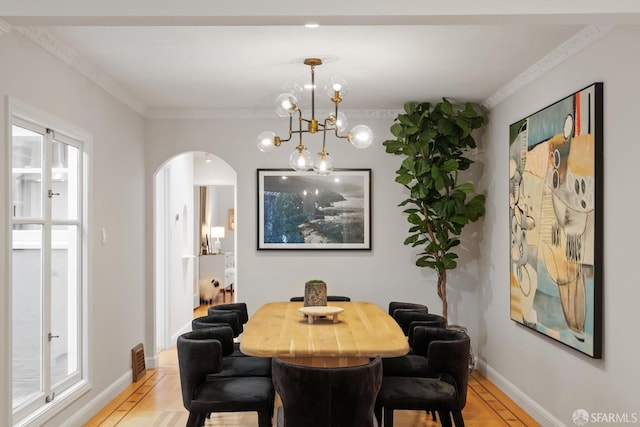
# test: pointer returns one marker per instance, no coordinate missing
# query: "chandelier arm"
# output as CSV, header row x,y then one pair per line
x,y
300,146
335,132
324,136
279,139
336,100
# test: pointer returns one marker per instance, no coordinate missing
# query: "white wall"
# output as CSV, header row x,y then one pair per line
x,y
383,274
116,304
221,201
181,257
538,371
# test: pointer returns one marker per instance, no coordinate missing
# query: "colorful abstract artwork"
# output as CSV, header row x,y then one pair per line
x,y
555,219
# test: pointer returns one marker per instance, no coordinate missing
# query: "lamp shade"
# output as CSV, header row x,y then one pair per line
x,y
217,232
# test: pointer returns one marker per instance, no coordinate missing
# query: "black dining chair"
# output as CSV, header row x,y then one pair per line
x,y
413,364
448,357
406,316
394,305
246,366
236,307
230,318
199,359
321,397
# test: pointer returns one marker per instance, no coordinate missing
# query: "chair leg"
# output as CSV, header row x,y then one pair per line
x,y
445,418
193,420
264,418
457,418
388,417
433,415
377,411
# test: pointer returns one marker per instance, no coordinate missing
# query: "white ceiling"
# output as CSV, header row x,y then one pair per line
x,y
159,58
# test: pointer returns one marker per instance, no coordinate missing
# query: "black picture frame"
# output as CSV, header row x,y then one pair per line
x,y
306,211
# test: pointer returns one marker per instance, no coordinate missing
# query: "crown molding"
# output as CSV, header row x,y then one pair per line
x,y
583,39
5,27
68,55
167,113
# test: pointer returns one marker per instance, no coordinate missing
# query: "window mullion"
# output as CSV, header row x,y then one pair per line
x,y
46,270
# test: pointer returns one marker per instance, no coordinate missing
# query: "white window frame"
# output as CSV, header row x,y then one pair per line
x,y
18,112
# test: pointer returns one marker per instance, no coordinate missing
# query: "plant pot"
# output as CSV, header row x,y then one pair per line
x,y
315,294
472,356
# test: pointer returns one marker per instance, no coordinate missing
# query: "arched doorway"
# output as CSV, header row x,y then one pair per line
x,y
178,234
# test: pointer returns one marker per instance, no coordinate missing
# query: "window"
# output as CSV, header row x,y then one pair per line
x,y
48,264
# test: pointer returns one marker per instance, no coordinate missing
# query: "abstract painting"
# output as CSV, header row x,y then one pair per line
x,y
302,210
555,219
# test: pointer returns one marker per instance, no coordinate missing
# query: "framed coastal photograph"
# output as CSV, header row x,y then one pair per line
x,y
555,219
302,210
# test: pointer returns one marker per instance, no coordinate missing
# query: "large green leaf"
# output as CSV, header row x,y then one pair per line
x,y
419,191
459,219
445,127
393,146
466,187
397,130
414,218
410,107
425,262
446,107
409,164
411,239
450,165
404,179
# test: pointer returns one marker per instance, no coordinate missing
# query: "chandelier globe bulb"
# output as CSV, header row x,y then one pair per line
x,y
336,84
323,163
340,122
286,104
300,159
361,136
293,88
266,141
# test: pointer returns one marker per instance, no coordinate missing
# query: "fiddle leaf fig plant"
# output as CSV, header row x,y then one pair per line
x,y
433,140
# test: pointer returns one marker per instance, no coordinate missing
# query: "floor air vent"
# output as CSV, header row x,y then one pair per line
x,y
137,362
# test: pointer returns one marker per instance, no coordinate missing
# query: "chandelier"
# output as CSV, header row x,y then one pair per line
x,y
287,105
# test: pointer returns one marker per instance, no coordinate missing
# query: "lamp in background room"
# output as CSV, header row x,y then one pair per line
x,y
218,233
287,105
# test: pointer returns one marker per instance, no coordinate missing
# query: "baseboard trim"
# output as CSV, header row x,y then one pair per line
x,y
152,362
523,400
185,328
100,401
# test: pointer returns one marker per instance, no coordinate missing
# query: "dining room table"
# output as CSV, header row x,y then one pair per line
x,y
347,337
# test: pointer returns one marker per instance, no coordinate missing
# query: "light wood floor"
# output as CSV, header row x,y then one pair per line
x,y
156,401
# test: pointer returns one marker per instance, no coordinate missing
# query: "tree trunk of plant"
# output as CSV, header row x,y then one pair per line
x,y
442,293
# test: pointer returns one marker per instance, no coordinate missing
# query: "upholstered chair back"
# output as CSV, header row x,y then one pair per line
x,y
321,397
237,307
447,353
199,354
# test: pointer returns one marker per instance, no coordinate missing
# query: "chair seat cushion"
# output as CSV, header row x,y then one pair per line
x,y
232,394
415,393
244,367
410,365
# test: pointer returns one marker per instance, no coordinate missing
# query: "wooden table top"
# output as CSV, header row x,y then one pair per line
x,y
363,330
